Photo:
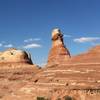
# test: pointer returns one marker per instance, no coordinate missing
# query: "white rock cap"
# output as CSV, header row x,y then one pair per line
x,y
56,31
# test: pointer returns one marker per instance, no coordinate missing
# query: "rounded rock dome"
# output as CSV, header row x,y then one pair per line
x,y
15,55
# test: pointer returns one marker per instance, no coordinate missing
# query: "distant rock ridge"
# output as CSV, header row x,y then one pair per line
x,y
95,49
13,55
92,56
58,53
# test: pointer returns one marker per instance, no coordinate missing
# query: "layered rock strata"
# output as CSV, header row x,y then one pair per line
x,y
77,78
72,78
16,71
90,57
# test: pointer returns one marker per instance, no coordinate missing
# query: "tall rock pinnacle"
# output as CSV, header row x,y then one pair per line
x,y
58,53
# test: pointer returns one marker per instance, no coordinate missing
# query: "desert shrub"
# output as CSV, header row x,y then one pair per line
x,y
40,98
36,80
68,98
43,98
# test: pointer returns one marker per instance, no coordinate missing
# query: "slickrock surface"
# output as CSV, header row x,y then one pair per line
x,y
58,53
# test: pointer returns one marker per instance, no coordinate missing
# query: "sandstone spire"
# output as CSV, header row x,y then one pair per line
x,y
58,53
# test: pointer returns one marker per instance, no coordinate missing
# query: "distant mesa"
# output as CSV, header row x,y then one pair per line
x,y
14,55
58,53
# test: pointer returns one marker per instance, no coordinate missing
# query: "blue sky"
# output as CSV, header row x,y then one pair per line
x,y
27,24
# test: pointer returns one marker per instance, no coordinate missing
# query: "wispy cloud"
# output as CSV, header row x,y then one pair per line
x,y
8,45
86,39
32,39
0,44
36,39
3,44
67,36
32,45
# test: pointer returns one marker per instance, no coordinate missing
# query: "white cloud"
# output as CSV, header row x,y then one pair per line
x,y
0,44
86,39
31,39
3,44
8,45
66,35
28,40
33,45
36,39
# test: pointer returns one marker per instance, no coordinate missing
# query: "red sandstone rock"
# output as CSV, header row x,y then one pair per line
x,y
92,56
58,53
78,78
73,78
16,71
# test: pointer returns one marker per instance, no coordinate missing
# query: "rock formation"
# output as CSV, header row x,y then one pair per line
x,y
78,78
58,53
16,70
66,78
13,55
74,78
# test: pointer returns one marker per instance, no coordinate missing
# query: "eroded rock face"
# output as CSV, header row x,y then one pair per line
x,y
75,78
58,53
78,78
16,70
13,55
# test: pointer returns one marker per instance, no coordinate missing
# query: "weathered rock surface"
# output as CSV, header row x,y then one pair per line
x,y
16,70
13,77
64,78
13,55
58,53
76,78
90,57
